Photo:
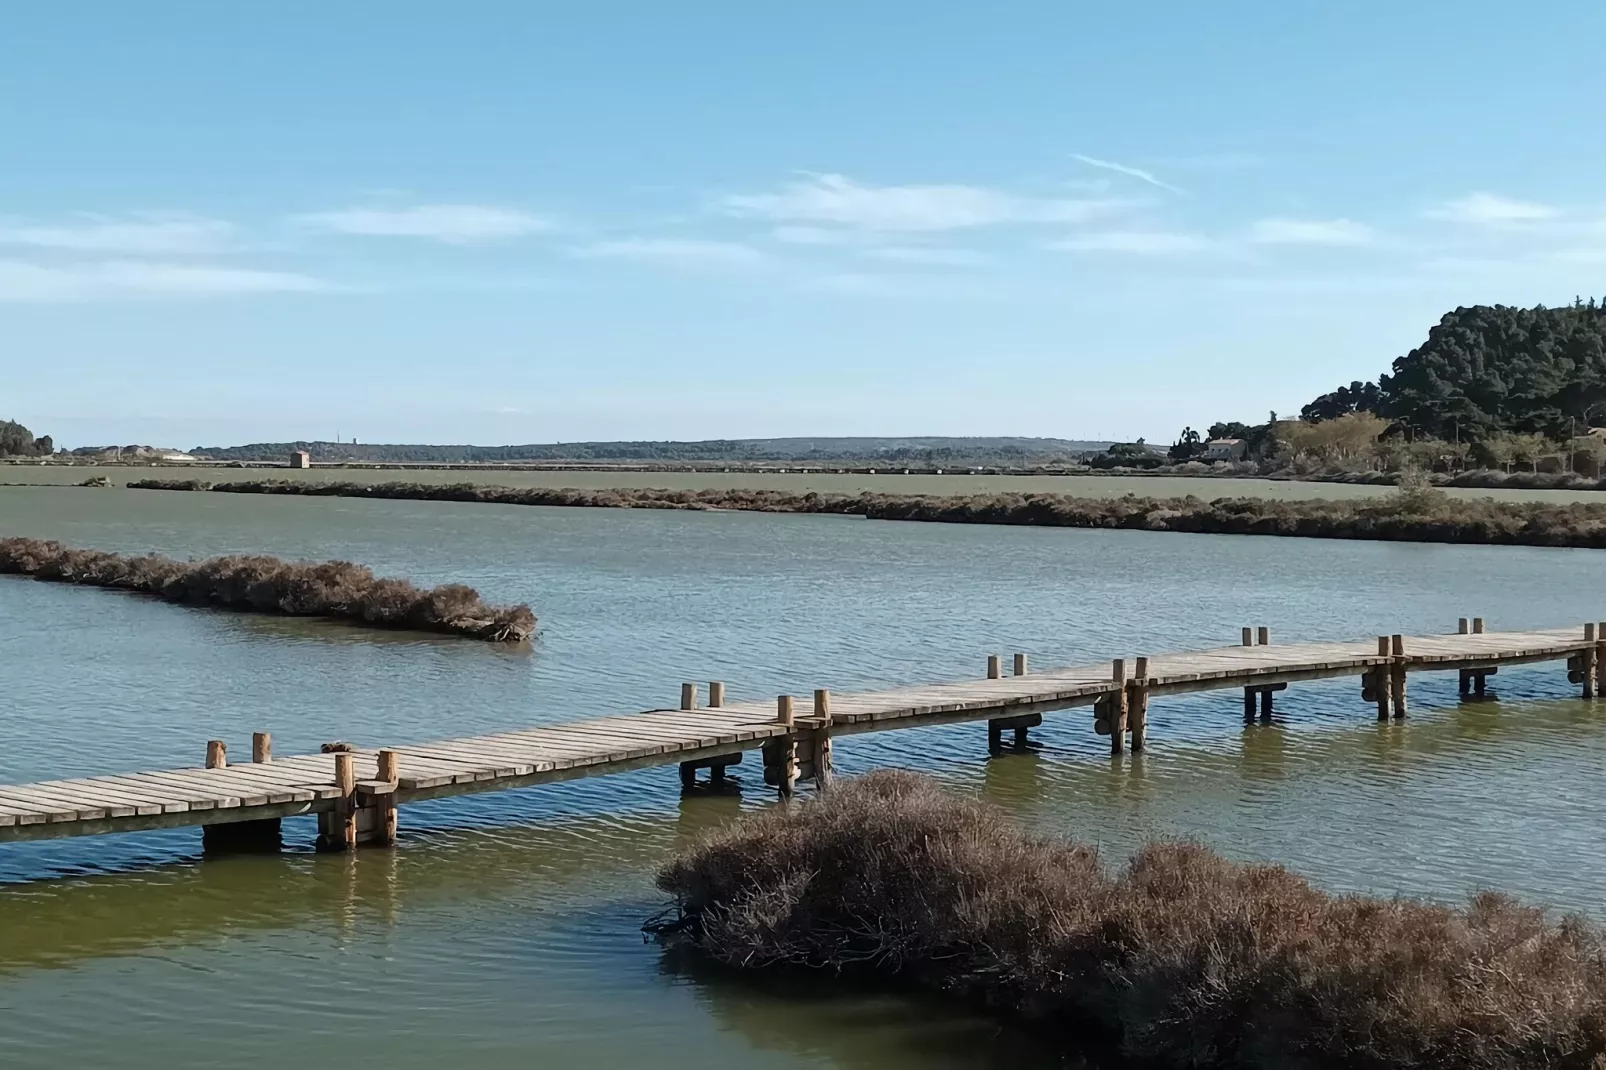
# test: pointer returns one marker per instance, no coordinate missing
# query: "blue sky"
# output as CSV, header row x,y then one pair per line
x,y
511,222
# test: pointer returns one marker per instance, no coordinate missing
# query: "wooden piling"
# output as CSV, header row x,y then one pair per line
x,y
783,710
261,747
217,754
995,667
822,705
1116,707
1020,664
1587,663
1477,625
1263,637
688,696
389,771
1600,658
1138,705
1397,676
1463,626
1249,637
337,830
716,694
1383,679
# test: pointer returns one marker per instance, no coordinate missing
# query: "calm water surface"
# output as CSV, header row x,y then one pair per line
x,y
503,932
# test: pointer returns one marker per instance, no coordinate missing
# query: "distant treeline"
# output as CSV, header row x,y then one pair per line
x,y
1411,514
734,451
257,583
1486,370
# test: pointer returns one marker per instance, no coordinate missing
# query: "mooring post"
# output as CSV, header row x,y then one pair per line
x,y
1397,677
995,667
1383,679
716,694
217,754
337,829
389,772
1263,636
1463,626
1477,625
1020,664
822,739
261,747
1138,704
688,696
1249,637
1586,660
1117,708
780,753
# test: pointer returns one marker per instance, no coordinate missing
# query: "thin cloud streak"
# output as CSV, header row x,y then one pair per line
x,y
1123,169
676,252
1138,242
142,234
453,224
1311,232
22,282
1485,209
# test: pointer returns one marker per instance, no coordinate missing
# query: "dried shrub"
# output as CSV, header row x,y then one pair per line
x,y
1178,959
1415,513
262,584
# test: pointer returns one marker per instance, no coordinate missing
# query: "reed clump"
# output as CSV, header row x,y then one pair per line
x,y
1414,513
258,583
1178,959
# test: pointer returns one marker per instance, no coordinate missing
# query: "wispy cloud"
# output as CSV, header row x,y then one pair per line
x,y
794,234
1140,242
1491,208
835,200
920,254
1123,169
21,281
140,234
454,224
1311,232
680,252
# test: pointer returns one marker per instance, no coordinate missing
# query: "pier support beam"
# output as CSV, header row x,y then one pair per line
x,y
1137,705
1111,709
1259,695
780,753
1397,676
1019,725
716,766
1377,684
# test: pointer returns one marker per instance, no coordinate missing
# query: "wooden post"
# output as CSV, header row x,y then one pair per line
x,y
1249,637
1265,707
1397,677
688,696
1587,659
1477,625
1249,705
1600,658
217,754
1384,679
783,710
716,694
385,819
1263,637
995,737
1020,664
337,831
995,667
1138,705
1117,707
1463,626
261,747
822,704
822,756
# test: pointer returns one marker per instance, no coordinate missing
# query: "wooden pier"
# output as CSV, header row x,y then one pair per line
x,y
356,792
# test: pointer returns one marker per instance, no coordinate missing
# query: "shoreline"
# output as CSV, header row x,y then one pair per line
x,y
1412,515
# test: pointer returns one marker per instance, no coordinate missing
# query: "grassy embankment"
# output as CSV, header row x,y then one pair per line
x,y
1412,514
1179,959
336,590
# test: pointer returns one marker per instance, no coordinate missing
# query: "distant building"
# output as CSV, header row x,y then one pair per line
x,y
1225,449
300,459
175,456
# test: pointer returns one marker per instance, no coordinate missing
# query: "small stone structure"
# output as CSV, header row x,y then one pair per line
x,y
300,459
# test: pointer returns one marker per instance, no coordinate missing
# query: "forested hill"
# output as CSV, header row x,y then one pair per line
x,y
918,450
1489,369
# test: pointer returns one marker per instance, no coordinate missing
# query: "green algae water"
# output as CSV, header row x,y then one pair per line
x,y
505,929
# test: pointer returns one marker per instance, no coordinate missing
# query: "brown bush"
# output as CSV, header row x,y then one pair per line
x,y
1179,959
1412,514
262,584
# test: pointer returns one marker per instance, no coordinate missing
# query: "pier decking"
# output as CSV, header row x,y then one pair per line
x,y
241,804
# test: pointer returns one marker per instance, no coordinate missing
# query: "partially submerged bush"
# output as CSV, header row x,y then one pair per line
x,y
262,584
1180,959
1416,513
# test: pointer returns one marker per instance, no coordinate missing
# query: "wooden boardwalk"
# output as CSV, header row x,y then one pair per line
x,y
357,792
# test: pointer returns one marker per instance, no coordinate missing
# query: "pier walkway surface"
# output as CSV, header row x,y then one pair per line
x,y
241,804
